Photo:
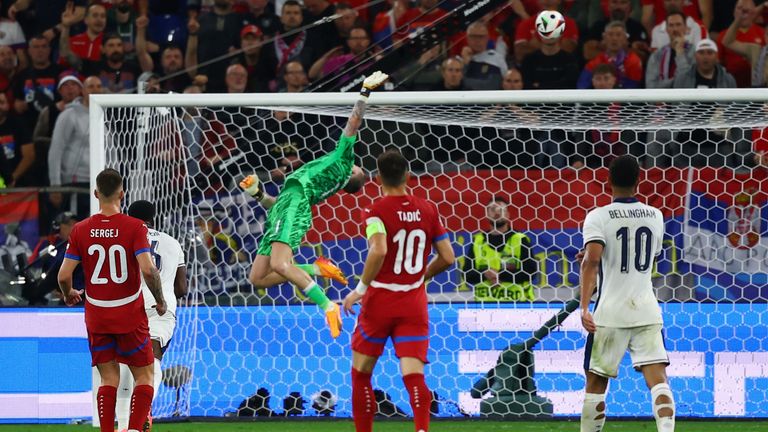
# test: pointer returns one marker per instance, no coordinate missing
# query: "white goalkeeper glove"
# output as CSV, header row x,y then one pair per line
x,y
373,81
253,187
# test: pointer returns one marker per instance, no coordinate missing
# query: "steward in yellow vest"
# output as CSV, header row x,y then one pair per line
x,y
499,264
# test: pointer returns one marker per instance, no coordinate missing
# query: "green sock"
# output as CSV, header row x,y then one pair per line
x,y
317,295
309,268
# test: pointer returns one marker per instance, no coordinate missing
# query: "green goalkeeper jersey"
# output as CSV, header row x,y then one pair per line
x,y
324,176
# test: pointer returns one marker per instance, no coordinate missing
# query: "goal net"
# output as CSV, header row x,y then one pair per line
x,y
542,156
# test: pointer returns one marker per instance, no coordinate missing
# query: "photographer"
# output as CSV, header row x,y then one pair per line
x,y
48,256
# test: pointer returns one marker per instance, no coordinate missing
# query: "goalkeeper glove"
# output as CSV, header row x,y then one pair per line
x,y
373,81
253,187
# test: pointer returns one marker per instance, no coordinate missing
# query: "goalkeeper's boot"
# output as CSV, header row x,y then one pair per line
x,y
329,270
333,319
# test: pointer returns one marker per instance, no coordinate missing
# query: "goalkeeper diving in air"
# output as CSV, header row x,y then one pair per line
x,y
290,214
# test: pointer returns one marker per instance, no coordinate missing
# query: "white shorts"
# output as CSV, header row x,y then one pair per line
x,y
161,327
606,347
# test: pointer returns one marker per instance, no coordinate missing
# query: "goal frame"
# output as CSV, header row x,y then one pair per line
x,y
98,103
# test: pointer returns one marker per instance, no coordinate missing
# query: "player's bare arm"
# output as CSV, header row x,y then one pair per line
x,y
375,80
593,252
180,288
152,278
71,295
444,259
377,251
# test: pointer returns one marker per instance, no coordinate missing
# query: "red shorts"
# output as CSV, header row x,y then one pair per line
x,y
410,336
133,349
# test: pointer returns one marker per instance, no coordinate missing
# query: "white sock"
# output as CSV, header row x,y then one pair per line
x,y
663,424
593,420
158,379
124,392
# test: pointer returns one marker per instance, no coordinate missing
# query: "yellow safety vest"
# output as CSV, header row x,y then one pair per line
x,y
487,257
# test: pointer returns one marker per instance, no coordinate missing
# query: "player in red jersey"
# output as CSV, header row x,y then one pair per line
x,y
401,231
112,247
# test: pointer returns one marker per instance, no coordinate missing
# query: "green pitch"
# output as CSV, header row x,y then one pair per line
x,y
392,426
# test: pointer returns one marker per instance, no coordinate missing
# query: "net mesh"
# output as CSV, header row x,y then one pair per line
x,y
239,350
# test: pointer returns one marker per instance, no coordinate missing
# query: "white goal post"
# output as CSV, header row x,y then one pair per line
x,y
544,152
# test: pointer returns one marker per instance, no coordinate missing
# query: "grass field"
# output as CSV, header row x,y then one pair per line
x,y
398,426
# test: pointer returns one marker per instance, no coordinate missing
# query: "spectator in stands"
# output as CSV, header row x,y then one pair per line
x,y
675,57
513,80
424,73
218,34
8,71
121,19
295,78
17,153
68,155
86,45
253,57
35,86
755,52
69,88
46,15
286,48
619,10
550,67
116,73
12,35
336,59
324,36
746,31
348,19
628,64
453,75
484,67
527,39
722,16
171,59
424,16
696,30
706,72
655,11
262,15
387,22
236,78
500,264
605,77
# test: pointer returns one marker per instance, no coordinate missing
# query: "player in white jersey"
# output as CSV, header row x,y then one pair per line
x,y
169,259
621,241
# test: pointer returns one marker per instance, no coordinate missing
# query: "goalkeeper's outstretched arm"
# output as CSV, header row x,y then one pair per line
x,y
358,111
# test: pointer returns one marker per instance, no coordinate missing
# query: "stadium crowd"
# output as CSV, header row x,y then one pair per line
x,y
55,53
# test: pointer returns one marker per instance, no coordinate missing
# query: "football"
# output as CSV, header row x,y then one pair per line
x,y
550,24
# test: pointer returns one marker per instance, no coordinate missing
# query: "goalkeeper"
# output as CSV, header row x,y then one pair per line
x,y
290,214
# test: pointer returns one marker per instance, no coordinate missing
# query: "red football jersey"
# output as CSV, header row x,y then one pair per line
x,y
106,247
412,226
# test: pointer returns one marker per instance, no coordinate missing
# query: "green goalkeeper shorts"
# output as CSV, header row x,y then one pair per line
x,y
288,220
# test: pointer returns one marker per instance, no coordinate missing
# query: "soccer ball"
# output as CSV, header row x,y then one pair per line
x,y
550,24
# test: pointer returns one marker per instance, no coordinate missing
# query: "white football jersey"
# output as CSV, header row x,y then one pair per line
x,y
632,234
168,256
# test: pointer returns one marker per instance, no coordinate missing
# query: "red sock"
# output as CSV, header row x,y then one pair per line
x,y
421,399
106,398
141,402
363,401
